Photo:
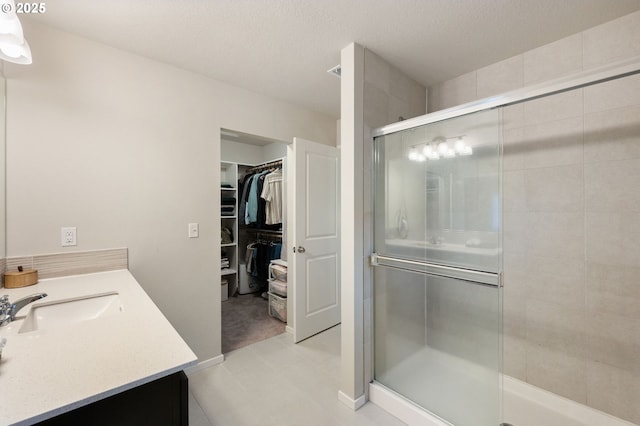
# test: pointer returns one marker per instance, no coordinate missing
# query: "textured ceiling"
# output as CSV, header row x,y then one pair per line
x,y
282,48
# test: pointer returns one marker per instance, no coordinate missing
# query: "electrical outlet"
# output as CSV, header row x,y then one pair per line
x,y
194,230
68,236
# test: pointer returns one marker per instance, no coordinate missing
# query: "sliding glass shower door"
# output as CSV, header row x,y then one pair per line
x,y
437,309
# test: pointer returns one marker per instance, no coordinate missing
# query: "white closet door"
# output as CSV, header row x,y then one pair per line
x,y
314,258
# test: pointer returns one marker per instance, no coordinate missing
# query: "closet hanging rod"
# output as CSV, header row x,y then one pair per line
x,y
265,166
268,238
265,231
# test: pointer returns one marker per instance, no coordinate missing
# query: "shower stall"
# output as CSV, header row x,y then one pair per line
x,y
494,301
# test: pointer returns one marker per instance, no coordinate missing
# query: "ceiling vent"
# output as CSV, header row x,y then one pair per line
x,y
336,71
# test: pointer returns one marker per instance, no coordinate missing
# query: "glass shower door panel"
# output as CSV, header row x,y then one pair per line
x,y
437,194
437,343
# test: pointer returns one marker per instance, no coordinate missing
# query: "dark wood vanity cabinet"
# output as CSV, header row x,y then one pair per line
x,y
163,402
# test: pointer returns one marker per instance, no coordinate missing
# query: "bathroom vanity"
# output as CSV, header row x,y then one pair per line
x,y
96,350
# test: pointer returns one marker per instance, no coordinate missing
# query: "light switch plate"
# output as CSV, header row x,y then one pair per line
x,y
194,230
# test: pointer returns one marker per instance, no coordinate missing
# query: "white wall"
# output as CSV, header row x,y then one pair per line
x,y
274,151
245,153
127,149
352,378
238,152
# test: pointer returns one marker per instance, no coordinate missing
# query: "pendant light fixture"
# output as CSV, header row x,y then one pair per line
x,y
13,46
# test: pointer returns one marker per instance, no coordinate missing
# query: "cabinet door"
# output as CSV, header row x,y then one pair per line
x,y
163,402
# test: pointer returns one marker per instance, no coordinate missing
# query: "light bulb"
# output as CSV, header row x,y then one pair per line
x,y
443,148
413,155
459,146
427,150
421,158
467,151
449,154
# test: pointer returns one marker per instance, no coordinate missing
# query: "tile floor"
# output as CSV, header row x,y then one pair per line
x,y
276,382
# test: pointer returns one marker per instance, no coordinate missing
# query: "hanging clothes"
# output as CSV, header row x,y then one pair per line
x,y
259,254
260,214
249,257
272,194
260,204
251,214
243,188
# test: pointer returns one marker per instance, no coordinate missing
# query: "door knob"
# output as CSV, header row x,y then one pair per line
x,y
301,249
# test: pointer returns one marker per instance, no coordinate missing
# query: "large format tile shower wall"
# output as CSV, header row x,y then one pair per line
x,y
571,218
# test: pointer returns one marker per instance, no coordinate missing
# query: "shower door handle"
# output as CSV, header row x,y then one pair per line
x,y
487,278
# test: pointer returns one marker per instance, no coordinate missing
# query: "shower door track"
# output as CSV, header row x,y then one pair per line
x,y
427,268
564,84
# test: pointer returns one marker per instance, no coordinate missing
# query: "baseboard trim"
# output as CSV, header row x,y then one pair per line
x,y
536,398
402,409
289,329
354,404
204,364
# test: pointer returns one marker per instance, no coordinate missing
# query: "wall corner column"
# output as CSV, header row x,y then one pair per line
x,y
352,379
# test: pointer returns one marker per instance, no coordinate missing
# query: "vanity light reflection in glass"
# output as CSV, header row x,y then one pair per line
x,y
440,148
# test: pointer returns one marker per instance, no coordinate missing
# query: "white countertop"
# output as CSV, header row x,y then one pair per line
x,y
44,373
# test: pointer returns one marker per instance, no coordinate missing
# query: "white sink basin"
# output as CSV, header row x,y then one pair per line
x,y
59,313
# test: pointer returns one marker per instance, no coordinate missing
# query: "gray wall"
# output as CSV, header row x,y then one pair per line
x,y
571,218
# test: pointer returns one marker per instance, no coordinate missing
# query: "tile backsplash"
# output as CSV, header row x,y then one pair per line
x,y
73,263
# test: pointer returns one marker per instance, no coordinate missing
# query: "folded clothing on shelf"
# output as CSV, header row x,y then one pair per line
x,y
226,236
224,260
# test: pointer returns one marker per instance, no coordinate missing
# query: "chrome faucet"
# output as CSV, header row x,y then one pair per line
x,y
9,310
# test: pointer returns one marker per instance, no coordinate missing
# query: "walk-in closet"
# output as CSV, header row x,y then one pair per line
x,y
253,281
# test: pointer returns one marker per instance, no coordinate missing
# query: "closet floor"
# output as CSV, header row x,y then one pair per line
x,y
246,320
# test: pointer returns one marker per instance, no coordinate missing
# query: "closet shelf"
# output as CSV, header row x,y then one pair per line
x,y
229,220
